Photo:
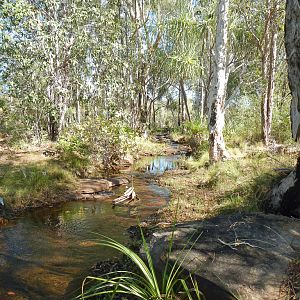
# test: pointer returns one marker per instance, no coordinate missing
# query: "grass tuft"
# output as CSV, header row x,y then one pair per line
x,y
145,146
33,184
143,284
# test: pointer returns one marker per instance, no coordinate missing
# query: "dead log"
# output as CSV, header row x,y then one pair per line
x,y
128,196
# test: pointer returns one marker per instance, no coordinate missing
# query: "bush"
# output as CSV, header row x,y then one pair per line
x,y
243,125
96,140
281,129
197,137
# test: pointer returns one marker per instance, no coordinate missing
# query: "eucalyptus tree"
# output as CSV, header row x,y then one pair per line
x,y
292,33
218,86
205,14
285,195
182,40
269,55
20,65
262,21
142,37
36,54
56,56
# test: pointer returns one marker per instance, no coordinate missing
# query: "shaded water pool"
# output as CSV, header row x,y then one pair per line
x,y
45,253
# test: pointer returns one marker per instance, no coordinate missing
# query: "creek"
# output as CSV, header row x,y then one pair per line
x,y
45,253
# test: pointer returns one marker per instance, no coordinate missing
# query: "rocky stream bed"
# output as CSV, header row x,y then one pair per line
x,y
45,253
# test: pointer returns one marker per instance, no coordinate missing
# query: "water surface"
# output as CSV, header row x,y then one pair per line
x,y
45,253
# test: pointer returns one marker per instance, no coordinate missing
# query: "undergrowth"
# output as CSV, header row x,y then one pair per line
x,y
239,184
30,185
145,146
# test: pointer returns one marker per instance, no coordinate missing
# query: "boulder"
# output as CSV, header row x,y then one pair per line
x,y
239,256
118,181
91,186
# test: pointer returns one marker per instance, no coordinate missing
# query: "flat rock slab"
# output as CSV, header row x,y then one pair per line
x,y
91,186
245,254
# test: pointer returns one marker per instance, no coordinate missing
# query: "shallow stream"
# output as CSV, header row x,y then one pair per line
x,y
45,253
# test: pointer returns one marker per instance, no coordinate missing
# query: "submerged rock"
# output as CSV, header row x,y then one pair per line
x,y
236,256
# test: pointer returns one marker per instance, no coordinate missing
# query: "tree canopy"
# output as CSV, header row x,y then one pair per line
x,y
151,63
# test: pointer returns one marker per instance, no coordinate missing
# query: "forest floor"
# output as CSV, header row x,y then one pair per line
x,y
242,183
38,177
32,179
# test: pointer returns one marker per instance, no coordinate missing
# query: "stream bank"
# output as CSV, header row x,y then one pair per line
x,y
45,253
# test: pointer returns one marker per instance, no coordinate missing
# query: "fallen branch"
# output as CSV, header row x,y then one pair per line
x,y
237,243
126,198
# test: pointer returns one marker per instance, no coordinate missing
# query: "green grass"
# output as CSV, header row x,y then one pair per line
x,y
81,163
33,184
239,184
145,146
75,162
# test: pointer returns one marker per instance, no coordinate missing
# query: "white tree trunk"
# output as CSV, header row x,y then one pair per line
x,y
216,100
285,197
202,99
268,69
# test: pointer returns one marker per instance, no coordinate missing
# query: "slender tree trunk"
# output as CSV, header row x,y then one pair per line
x,y
149,115
62,117
153,114
184,98
78,112
268,70
52,127
182,108
179,107
201,100
218,87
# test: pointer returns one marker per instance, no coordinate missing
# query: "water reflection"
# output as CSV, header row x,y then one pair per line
x,y
46,249
161,164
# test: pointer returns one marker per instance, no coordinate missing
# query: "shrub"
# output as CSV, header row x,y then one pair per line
x,y
281,127
96,140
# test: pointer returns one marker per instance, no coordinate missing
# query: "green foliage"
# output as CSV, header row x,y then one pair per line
x,y
194,134
197,137
243,123
242,126
196,128
74,149
96,141
142,284
69,61
33,185
281,128
145,146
